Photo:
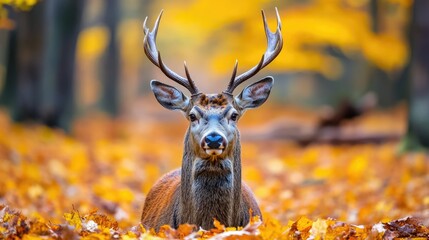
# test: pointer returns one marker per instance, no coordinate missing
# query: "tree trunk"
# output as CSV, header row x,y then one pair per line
x,y
7,95
418,74
29,54
70,14
110,67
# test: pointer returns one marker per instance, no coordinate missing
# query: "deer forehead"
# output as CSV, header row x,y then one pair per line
x,y
213,101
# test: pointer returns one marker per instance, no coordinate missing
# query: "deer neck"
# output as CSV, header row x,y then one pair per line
x,y
210,189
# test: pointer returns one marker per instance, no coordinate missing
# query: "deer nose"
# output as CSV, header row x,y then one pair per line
x,y
214,141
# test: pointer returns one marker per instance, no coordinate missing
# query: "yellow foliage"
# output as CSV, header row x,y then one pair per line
x,y
304,224
130,39
32,237
404,3
358,167
92,42
237,33
20,4
273,229
106,189
252,174
386,51
5,22
322,172
73,219
319,191
319,229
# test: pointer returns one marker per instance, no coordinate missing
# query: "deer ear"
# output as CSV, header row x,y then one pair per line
x,y
168,96
255,94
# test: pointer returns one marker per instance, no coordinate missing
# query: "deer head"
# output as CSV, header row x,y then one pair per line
x,y
213,117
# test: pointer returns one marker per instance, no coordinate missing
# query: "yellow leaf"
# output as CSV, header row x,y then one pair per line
x,y
218,225
32,237
318,229
74,219
304,224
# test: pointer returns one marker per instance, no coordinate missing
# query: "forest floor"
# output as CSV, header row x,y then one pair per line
x,y
92,183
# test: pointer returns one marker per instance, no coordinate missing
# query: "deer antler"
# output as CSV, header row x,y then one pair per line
x,y
275,44
155,57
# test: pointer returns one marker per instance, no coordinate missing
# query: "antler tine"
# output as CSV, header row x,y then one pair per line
x,y
191,82
154,56
234,74
274,47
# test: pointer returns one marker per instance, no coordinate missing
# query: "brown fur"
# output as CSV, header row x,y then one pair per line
x,y
159,205
210,101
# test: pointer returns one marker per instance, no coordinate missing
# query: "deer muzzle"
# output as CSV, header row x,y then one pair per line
x,y
214,144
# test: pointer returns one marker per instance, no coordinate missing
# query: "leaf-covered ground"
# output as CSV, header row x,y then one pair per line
x,y
93,184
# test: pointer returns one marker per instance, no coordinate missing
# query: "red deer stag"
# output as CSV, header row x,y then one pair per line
x,y
209,184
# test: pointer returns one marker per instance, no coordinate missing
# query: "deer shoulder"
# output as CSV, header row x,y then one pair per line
x,y
159,207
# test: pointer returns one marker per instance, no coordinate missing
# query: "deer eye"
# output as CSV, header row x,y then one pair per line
x,y
192,117
234,116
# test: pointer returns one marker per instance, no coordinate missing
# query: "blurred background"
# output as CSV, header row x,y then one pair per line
x,y
63,60
79,126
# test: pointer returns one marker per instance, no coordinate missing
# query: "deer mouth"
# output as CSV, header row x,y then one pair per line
x,y
214,152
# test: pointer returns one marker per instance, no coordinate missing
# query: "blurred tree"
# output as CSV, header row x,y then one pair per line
x,y
378,78
8,86
62,22
39,81
110,64
24,64
8,48
417,74
334,49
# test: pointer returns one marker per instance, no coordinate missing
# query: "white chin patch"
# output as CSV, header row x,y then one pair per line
x,y
214,151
